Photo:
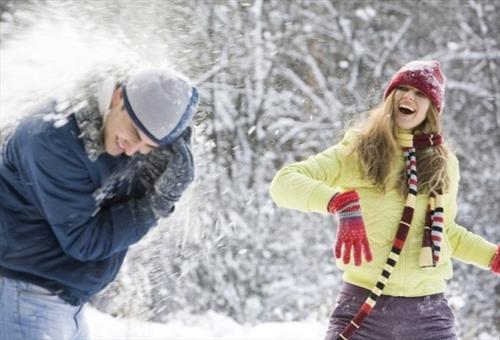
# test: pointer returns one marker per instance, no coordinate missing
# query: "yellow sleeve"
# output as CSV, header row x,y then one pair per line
x,y
466,246
309,185
469,247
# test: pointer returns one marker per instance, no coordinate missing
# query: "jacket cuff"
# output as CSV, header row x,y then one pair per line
x,y
137,213
320,197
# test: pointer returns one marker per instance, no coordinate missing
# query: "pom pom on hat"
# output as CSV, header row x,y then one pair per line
x,y
425,75
161,103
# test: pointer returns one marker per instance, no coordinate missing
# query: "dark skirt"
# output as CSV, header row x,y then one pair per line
x,y
393,318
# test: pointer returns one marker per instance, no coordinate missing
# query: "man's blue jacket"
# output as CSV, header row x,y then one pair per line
x,y
67,215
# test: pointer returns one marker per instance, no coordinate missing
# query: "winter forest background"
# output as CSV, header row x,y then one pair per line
x,y
279,80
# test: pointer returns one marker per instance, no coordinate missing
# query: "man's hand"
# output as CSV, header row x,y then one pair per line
x,y
179,173
154,166
351,232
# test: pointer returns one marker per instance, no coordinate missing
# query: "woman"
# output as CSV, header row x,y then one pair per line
x,y
392,184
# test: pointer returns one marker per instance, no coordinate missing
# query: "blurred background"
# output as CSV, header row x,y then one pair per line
x,y
279,81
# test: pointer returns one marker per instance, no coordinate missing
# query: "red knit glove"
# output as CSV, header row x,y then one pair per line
x,y
351,232
495,262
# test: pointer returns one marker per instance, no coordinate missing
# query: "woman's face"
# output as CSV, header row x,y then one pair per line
x,y
411,107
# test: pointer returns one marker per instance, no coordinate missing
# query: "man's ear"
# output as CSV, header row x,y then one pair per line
x,y
117,97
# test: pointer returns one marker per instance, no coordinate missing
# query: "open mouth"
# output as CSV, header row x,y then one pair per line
x,y
406,110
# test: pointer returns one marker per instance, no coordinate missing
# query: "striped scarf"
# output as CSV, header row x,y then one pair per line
x,y
429,255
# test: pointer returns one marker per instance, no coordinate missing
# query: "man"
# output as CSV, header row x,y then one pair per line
x,y
78,186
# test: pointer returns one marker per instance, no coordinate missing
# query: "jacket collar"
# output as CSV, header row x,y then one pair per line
x,y
90,114
90,123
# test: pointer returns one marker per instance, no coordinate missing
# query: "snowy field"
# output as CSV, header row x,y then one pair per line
x,y
207,327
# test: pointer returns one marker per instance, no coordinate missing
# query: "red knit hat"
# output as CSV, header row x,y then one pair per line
x,y
425,75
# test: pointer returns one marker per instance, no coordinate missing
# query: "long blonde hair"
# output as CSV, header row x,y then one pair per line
x,y
378,148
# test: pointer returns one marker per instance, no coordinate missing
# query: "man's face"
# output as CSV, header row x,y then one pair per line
x,y
121,135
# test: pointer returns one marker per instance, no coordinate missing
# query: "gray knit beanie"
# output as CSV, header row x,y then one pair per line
x,y
161,103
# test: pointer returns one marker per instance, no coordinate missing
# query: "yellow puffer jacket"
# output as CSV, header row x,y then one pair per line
x,y
308,186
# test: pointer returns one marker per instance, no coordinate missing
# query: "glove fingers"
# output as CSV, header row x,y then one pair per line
x,y
160,152
182,141
180,170
186,135
182,148
347,251
180,153
357,253
185,162
366,250
495,263
176,146
496,268
338,249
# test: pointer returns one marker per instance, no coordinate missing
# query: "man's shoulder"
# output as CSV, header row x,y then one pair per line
x,y
52,119
46,131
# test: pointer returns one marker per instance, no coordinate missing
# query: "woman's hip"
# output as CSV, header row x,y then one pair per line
x,y
425,317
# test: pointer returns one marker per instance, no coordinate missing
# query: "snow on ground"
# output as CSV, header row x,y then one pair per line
x,y
210,326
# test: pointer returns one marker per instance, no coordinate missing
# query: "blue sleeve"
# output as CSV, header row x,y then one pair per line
x,y
63,191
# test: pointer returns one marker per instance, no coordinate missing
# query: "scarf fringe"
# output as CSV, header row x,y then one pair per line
x,y
433,232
